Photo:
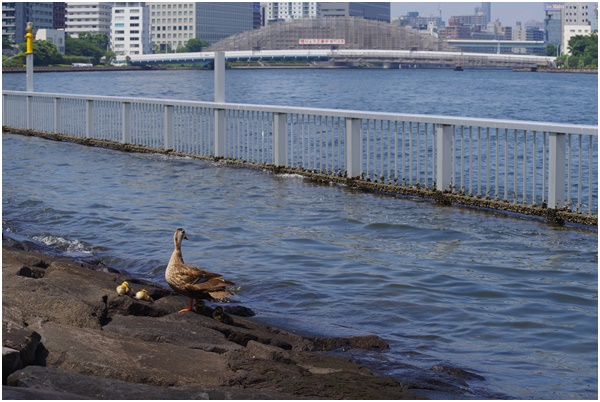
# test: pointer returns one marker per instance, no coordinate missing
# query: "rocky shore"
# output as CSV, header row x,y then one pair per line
x,y
67,334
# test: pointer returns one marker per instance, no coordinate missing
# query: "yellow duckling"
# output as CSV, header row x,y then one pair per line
x,y
143,295
124,289
203,309
222,316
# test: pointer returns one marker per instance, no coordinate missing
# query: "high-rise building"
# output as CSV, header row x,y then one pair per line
x,y
553,23
15,17
88,17
173,24
130,29
379,11
575,21
290,10
59,10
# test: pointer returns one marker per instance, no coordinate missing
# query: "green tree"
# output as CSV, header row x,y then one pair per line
x,y
44,53
7,43
82,47
100,40
550,50
196,45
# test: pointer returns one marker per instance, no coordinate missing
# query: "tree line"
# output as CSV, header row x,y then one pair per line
x,y
87,48
583,52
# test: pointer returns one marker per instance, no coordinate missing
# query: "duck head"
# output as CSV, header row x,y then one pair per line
x,y
179,236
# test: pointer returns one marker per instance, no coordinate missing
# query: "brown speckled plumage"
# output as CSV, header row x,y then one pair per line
x,y
193,282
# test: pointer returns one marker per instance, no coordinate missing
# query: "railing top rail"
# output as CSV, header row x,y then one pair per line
x,y
418,118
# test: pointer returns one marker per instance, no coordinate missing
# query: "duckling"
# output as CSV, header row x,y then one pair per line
x,y
143,295
202,308
124,289
222,316
191,281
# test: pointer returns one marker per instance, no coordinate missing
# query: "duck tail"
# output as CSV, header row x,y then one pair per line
x,y
221,294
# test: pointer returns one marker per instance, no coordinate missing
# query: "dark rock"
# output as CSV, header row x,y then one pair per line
x,y
11,362
45,381
24,340
240,311
122,345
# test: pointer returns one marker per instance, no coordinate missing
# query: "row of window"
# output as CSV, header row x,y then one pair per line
x,y
132,39
168,36
168,6
168,13
173,28
175,20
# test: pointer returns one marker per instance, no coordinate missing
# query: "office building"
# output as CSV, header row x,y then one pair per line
x,y
379,11
15,17
575,21
88,17
130,29
553,23
59,10
173,24
290,10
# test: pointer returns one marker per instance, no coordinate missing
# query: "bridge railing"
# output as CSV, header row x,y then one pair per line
x,y
518,162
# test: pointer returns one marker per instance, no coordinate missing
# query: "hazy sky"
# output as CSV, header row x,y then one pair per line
x,y
507,12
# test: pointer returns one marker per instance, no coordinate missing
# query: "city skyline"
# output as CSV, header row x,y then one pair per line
x,y
507,12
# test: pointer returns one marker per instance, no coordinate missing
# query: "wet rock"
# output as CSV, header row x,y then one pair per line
x,y
457,372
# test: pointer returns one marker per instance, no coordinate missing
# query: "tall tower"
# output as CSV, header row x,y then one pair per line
x,y
487,11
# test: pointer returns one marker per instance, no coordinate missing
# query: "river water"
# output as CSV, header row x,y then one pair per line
x,y
514,300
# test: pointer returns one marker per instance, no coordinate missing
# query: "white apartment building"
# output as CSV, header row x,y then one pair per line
x,y
286,11
130,29
575,21
56,36
88,17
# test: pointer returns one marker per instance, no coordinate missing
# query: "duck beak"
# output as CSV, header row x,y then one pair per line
x,y
185,237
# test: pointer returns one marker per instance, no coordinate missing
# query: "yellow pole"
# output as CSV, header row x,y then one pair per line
x,y
29,36
29,56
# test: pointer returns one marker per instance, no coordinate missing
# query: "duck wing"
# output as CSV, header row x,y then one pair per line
x,y
198,280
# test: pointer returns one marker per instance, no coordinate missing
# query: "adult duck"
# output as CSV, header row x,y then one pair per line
x,y
191,281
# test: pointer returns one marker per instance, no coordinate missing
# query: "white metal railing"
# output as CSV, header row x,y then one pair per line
x,y
529,163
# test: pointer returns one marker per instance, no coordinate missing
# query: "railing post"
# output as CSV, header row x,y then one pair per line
x,y
280,139
169,127
4,108
30,112
57,115
219,114
126,123
89,118
353,147
443,178
556,170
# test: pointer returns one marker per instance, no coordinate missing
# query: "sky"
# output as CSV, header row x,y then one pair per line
x,y
507,12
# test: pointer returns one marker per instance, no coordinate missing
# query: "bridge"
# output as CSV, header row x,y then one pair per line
x,y
391,58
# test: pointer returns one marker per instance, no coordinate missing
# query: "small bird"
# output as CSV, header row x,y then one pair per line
x,y
143,295
203,309
193,282
222,316
124,289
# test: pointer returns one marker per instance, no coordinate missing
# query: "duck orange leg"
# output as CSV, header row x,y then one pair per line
x,y
190,308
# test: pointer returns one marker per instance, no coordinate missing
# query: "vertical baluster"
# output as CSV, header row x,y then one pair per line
x,y
479,162
515,158
471,168
403,161
544,168
569,157
590,175
524,166
410,154
580,181
497,163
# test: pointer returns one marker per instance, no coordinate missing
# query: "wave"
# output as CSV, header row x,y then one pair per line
x,y
60,243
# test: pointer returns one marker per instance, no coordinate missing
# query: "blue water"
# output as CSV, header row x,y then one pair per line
x,y
512,299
